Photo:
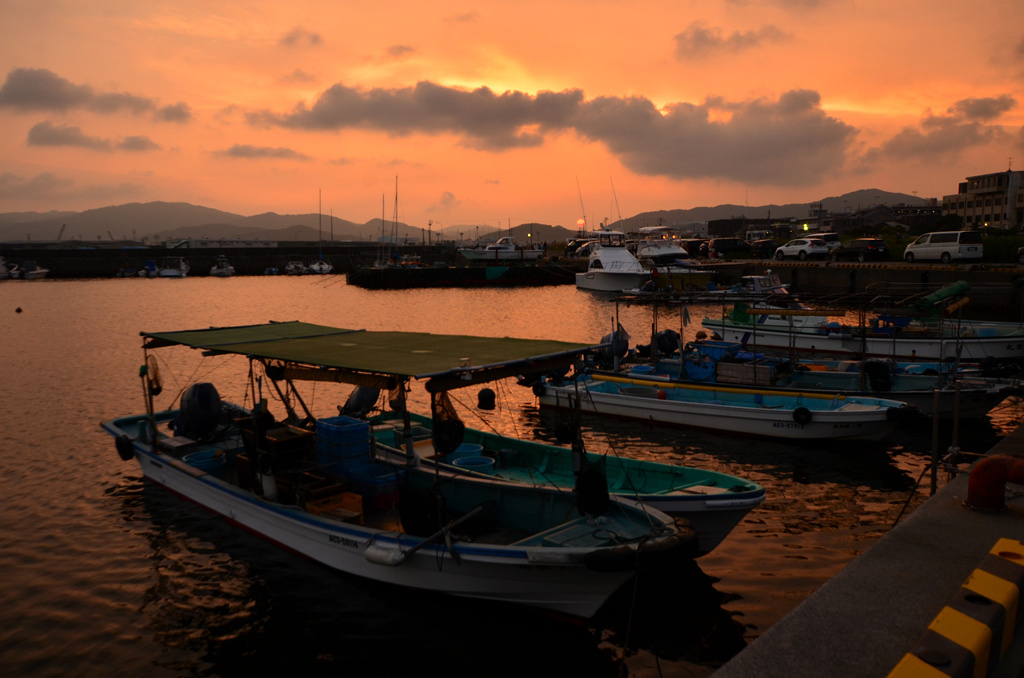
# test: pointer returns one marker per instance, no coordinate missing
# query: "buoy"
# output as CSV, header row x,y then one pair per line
x,y
986,488
485,399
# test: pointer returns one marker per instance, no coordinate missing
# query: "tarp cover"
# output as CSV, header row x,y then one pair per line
x,y
402,354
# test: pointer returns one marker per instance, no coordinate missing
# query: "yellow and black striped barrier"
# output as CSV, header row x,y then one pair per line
x,y
970,635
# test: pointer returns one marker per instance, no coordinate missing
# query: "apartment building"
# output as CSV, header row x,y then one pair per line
x,y
989,201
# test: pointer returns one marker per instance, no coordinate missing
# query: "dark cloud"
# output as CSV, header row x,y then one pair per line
x,y
50,187
985,108
259,152
39,89
399,51
485,119
179,112
790,141
966,123
781,142
300,37
700,41
48,134
138,143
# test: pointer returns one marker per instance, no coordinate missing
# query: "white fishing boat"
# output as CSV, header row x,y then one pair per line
x,y
468,535
785,323
295,268
503,250
661,247
222,268
766,413
967,395
611,267
174,267
320,267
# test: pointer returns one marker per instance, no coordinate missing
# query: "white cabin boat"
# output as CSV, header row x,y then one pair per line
x,y
611,267
174,267
222,268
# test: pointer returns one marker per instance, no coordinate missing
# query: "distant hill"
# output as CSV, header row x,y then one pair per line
x,y
172,220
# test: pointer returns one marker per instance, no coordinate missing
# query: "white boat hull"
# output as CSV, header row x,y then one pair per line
x,y
971,348
853,423
610,281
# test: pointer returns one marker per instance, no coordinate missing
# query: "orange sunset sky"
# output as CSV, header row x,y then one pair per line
x,y
497,112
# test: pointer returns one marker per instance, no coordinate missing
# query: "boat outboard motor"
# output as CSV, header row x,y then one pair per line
x,y
619,340
360,401
668,342
199,413
879,375
485,399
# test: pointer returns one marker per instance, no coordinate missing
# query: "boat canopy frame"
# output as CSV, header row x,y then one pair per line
x,y
311,352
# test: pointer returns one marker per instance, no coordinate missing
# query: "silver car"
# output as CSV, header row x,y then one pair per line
x,y
803,249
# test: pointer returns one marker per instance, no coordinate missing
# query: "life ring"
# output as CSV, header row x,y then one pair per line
x,y
125,450
802,415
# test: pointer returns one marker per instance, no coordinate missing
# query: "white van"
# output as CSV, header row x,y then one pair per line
x,y
945,246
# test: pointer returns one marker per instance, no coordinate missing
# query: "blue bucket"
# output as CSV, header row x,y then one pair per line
x,y
211,461
478,464
465,450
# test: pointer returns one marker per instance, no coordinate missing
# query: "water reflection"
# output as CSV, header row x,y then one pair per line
x,y
225,602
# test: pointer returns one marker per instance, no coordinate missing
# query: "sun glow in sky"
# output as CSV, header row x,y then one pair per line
x,y
494,112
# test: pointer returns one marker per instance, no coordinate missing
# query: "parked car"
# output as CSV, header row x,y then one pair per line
x,y
945,246
861,249
722,248
831,239
803,249
695,246
764,249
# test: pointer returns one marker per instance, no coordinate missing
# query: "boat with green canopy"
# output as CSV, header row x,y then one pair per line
x,y
314,485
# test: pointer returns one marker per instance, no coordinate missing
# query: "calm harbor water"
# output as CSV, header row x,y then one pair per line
x,y
106,573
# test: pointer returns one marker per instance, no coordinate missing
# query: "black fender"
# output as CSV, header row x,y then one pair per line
x,y
124,446
802,415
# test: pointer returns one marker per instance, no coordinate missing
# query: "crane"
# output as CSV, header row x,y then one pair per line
x,y
62,227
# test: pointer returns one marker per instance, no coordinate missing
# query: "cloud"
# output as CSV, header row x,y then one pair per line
x,y
50,187
486,120
260,152
786,141
965,124
179,112
39,89
48,134
699,41
790,141
447,201
300,37
399,51
138,143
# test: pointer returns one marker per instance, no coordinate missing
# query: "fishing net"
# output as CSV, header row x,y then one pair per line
x,y
448,428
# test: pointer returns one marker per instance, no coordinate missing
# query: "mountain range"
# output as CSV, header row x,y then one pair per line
x,y
157,221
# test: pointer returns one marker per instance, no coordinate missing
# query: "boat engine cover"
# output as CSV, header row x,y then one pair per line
x,y
199,413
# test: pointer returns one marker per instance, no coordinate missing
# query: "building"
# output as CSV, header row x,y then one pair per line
x,y
989,201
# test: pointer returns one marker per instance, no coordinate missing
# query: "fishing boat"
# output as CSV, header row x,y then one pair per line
x,y
283,479
911,335
661,247
504,250
222,268
320,267
765,413
173,267
968,395
295,268
712,502
611,267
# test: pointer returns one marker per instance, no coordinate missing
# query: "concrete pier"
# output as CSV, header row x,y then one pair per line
x,y
878,610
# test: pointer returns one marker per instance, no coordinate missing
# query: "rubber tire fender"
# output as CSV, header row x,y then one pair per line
x,y
125,450
802,415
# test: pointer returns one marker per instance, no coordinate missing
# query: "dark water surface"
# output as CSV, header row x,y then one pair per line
x,y
106,574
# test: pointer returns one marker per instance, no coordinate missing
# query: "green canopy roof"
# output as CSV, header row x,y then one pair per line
x,y
398,354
